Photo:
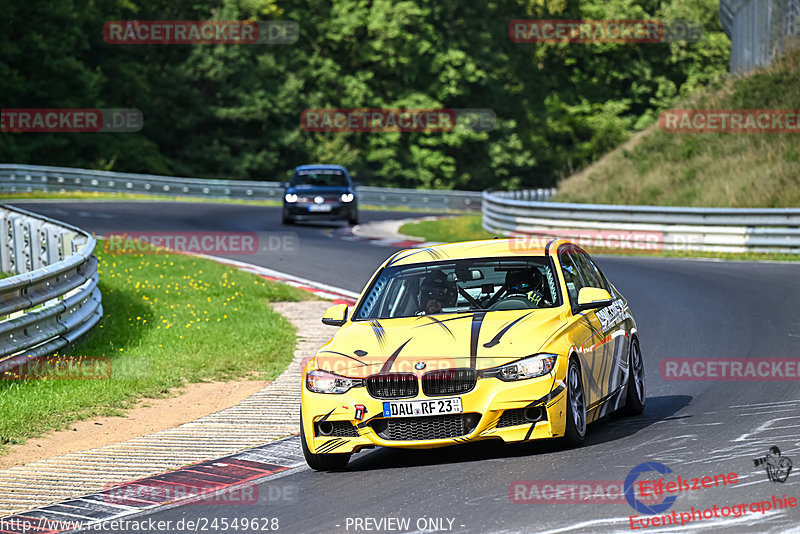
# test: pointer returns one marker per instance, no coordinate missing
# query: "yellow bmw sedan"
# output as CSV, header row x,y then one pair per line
x,y
510,339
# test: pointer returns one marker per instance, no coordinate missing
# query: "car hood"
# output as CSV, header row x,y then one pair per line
x,y
479,340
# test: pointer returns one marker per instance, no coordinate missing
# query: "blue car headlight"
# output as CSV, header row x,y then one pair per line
x,y
529,367
290,198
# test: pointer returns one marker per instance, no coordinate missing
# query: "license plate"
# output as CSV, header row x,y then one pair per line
x,y
320,207
422,408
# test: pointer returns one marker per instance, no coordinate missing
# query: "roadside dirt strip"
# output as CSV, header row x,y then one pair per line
x,y
267,415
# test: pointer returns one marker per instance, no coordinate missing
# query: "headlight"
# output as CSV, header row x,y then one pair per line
x,y
530,367
290,198
325,382
347,197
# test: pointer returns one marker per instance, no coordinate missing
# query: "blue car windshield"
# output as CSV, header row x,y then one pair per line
x,y
320,178
461,286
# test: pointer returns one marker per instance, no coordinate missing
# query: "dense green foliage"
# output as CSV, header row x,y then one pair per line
x,y
232,111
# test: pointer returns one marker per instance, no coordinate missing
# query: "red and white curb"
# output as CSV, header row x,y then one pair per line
x,y
218,481
383,234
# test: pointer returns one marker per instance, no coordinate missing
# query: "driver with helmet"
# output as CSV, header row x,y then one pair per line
x,y
436,293
528,283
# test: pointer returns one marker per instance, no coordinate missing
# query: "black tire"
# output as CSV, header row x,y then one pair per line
x,y
353,219
635,397
287,220
322,462
575,430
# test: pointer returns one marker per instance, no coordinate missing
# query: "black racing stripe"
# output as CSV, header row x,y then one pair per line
x,y
477,321
553,393
330,445
380,333
325,417
450,319
530,431
496,339
432,252
595,331
401,258
345,355
365,423
436,253
322,448
388,364
335,445
434,320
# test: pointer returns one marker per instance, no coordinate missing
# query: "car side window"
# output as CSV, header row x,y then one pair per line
x,y
572,275
589,271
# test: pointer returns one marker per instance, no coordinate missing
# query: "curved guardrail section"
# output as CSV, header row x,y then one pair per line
x,y
28,178
50,297
672,228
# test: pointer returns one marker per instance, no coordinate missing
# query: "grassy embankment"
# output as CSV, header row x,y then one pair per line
x,y
168,320
706,169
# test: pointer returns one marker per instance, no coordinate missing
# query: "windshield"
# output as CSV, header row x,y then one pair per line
x,y
461,286
320,178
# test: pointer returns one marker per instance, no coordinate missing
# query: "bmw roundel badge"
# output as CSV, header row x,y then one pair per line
x,y
419,366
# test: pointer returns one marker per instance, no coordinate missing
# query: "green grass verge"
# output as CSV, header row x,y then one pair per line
x,y
168,320
448,230
468,228
706,169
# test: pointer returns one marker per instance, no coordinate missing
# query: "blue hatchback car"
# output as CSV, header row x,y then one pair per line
x,y
320,192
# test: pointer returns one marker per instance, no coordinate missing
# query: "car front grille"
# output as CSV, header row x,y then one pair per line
x,y
512,418
517,417
393,385
448,382
341,429
422,428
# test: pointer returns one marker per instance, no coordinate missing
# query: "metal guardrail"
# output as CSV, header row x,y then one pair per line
x,y
646,227
51,296
28,178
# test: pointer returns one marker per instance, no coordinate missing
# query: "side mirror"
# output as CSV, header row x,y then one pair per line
x,y
590,298
335,315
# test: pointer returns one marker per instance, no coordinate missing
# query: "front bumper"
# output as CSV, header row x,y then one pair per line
x,y
484,405
339,210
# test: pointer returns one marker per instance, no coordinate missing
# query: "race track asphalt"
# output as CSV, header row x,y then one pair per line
x,y
684,308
